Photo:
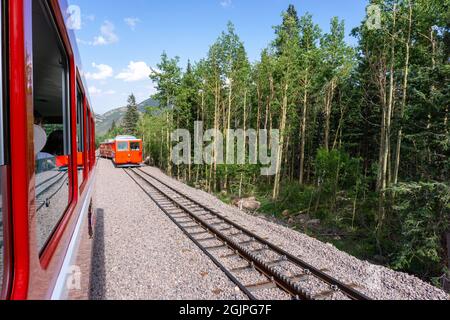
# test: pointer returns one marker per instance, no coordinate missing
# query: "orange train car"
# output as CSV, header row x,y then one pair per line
x,y
107,149
124,151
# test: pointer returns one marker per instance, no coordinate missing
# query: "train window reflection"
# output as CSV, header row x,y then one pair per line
x,y
51,123
122,146
135,146
80,134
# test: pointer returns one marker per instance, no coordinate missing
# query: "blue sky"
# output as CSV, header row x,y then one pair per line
x,y
120,40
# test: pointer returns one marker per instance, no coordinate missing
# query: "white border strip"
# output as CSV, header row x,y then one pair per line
x,y
59,289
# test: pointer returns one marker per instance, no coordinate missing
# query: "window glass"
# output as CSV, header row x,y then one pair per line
x,y
135,146
2,160
122,146
80,135
51,123
88,139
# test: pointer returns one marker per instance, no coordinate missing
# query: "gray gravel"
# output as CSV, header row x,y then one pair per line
x,y
375,281
139,253
55,193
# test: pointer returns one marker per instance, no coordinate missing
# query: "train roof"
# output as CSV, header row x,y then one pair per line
x,y
126,138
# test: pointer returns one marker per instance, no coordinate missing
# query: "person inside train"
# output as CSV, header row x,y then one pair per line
x,y
44,159
55,144
40,137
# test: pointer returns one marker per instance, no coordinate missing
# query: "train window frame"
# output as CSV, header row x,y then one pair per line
x,y
88,139
135,143
67,120
5,239
119,149
80,130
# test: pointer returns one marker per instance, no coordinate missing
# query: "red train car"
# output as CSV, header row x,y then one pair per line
x,y
107,149
124,151
47,153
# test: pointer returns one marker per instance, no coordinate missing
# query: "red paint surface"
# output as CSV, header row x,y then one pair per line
x,y
33,275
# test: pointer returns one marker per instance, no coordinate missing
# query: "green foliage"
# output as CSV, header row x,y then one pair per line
x,y
329,100
336,170
131,117
421,219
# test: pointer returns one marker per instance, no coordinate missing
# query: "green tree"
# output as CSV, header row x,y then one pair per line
x,y
167,80
131,117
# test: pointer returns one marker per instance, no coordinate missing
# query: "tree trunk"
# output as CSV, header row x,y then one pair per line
x,y
386,130
276,189
404,97
328,109
227,133
303,130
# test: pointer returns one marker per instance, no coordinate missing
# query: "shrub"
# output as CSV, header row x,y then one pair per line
x,y
421,213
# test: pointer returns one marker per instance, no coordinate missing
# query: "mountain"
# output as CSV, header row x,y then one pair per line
x,y
105,121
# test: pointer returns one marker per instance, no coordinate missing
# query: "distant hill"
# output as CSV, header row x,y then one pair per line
x,y
105,121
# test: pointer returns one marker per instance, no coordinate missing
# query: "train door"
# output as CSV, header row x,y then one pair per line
x,y
135,152
5,243
122,152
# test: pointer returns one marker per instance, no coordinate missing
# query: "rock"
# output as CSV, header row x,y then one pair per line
x,y
380,259
247,204
303,218
313,222
224,193
235,202
285,213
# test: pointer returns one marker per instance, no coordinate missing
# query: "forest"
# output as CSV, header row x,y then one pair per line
x,y
365,143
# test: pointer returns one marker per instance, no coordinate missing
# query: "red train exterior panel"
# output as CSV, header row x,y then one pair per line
x,y
35,273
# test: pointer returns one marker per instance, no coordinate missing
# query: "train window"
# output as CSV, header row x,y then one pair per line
x,y
122,146
80,135
88,139
135,146
2,163
51,123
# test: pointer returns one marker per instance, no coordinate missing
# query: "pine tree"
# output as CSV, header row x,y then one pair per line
x,y
131,116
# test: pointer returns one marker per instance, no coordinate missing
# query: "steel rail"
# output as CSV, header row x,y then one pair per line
x,y
331,281
196,242
282,282
48,180
47,188
47,199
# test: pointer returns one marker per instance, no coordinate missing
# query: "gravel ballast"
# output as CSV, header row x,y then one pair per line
x,y
139,253
377,282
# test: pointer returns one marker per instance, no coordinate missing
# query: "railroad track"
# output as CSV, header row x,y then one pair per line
x,y
222,240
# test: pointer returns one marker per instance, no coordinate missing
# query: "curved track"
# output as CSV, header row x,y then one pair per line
x,y
269,267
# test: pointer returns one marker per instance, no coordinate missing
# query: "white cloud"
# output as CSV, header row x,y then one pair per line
x,y
226,3
132,22
107,35
103,72
94,91
75,19
136,71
